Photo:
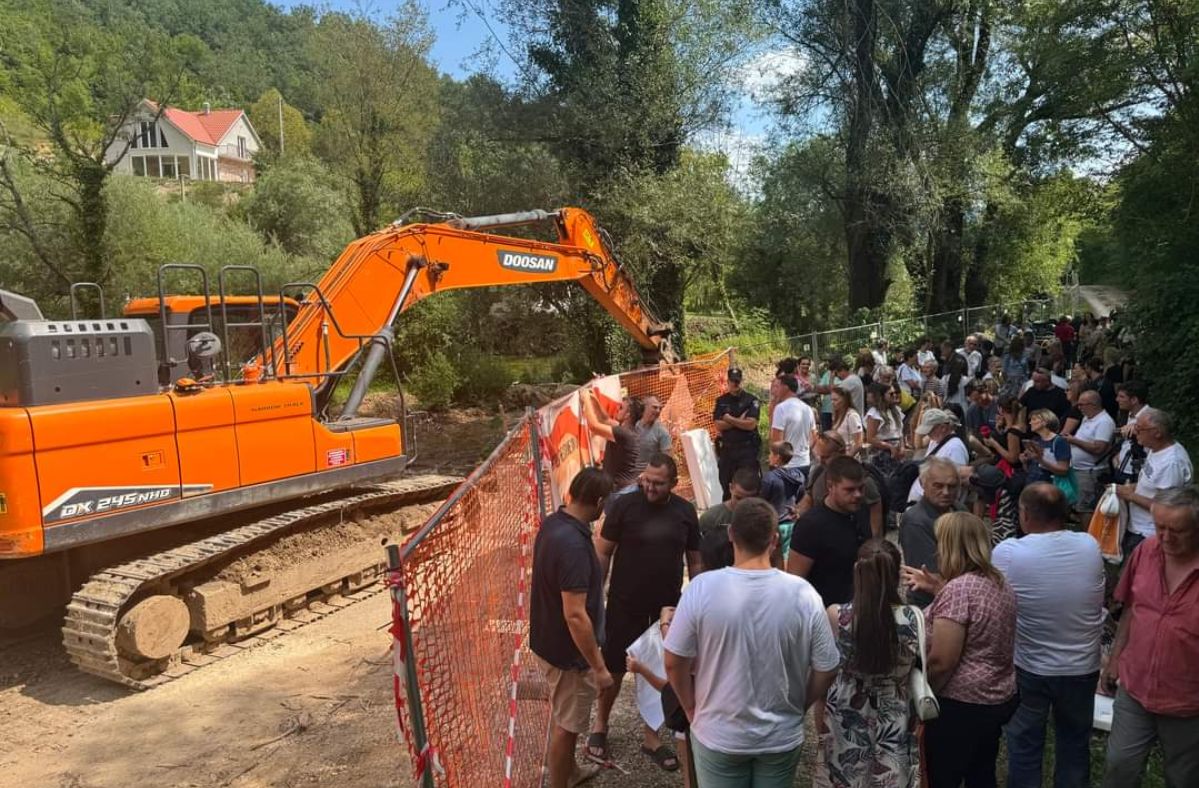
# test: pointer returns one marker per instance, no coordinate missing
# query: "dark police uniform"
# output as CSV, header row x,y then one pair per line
x,y
736,447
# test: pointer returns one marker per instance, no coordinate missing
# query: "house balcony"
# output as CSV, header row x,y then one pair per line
x,y
234,152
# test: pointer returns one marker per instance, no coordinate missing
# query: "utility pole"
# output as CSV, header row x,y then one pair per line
x,y
281,125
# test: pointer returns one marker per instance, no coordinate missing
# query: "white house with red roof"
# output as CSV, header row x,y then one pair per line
x,y
209,145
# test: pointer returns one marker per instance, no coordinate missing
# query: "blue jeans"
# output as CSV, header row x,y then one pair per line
x,y
768,770
1072,699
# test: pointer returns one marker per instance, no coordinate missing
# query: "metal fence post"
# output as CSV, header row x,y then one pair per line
x,y
815,349
416,713
535,450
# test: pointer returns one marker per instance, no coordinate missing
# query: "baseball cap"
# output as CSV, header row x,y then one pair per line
x,y
933,418
735,374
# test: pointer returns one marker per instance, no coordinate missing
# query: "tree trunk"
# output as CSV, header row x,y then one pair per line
x,y
867,248
946,290
865,244
977,281
366,218
93,220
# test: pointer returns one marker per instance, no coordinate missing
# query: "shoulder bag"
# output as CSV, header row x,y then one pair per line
x,y
923,700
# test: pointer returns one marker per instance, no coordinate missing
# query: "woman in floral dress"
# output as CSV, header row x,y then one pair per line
x,y
869,732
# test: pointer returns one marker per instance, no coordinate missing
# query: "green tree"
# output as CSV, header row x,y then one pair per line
x,y
1154,220
794,259
279,123
379,97
79,78
296,205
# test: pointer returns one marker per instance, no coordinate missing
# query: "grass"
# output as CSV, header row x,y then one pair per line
x,y
539,369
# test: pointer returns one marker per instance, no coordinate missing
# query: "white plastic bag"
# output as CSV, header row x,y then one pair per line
x,y
1109,503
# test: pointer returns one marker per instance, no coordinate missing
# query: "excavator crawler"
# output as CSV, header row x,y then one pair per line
x,y
187,478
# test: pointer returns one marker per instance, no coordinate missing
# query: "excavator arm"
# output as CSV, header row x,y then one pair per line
x,y
381,275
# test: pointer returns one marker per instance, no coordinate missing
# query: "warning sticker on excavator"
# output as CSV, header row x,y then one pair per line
x,y
529,263
336,457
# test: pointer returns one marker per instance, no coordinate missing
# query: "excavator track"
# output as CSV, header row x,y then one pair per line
x,y
91,629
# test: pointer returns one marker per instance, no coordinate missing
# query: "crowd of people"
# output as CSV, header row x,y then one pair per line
x,y
913,564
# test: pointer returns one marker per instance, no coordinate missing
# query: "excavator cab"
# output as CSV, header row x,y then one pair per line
x,y
245,340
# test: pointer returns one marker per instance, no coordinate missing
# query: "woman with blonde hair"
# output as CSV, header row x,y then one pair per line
x,y
970,655
847,422
1047,454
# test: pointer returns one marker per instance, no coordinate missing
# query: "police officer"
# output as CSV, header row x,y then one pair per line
x,y
736,418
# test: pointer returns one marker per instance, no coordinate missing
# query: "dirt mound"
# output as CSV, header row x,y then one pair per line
x,y
535,395
312,545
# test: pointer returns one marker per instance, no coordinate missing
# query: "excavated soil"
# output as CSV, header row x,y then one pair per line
x,y
311,545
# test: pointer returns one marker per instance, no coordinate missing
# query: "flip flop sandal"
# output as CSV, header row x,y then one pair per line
x,y
597,748
667,761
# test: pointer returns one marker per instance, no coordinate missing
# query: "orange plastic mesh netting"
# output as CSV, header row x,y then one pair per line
x,y
464,580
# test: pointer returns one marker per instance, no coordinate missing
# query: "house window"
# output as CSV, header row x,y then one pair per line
x,y
139,165
241,147
168,166
151,136
185,167
152,170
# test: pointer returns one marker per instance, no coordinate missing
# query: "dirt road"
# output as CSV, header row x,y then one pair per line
x,y
329,684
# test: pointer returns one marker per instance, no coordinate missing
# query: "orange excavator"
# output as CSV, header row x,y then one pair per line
x,y
143,456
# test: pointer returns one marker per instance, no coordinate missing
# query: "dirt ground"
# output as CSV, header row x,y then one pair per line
x,y
225,725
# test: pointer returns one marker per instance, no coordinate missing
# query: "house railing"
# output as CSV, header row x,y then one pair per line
x,y
234,152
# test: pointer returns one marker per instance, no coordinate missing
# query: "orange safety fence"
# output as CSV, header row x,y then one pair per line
x,y
471,703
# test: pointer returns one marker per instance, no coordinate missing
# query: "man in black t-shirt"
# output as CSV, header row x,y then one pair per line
x,y
825,540
566,618
736,419
644,540
1044,395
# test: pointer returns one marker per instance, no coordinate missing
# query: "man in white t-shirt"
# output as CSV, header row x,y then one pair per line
x,y
1167,465
974,359
1089,443
1057,575
939,426
793,422
749,650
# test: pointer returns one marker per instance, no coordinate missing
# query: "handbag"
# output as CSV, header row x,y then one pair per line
x,y
924,701
1068,484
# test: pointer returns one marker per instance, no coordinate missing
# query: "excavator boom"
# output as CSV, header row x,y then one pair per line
x,y
382,274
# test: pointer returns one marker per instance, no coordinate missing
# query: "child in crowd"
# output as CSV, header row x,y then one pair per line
x,y
782,487
646,659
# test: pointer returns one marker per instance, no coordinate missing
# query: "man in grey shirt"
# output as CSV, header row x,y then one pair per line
x,y
917,537
652,437
1057,575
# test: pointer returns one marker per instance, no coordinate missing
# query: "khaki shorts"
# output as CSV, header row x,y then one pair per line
x,y
572,693
1089,490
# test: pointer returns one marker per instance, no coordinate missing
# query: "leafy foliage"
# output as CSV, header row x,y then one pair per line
x,y
296,205
278,122
434,383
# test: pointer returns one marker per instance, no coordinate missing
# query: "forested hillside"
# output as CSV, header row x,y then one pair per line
x,y
922,154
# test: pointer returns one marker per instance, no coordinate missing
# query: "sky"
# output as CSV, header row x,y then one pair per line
x,y
471,36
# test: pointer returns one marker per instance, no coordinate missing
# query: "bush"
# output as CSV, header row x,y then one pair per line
x,y
144,231
482,378
433,383
294,204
